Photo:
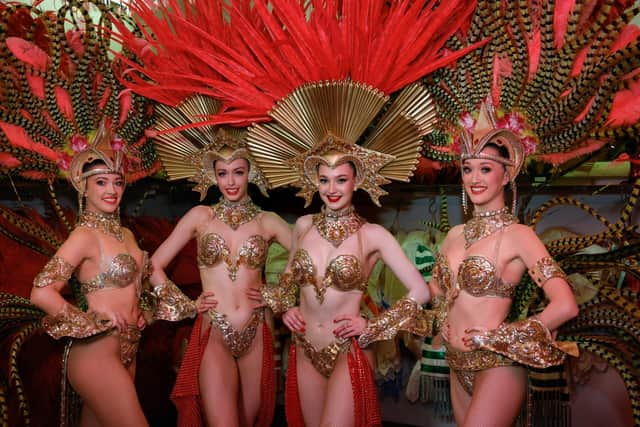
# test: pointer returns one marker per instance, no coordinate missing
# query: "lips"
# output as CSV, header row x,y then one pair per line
x,y
110,200
232,191
476,190
333,199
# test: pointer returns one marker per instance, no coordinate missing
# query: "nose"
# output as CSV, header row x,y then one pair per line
x,y
232,179
332,186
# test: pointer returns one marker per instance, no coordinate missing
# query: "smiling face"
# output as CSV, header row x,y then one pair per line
x,y
104,191
233,178
484,181
336,185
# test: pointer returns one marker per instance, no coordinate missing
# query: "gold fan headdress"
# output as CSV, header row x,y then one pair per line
x,y
191,152
323,123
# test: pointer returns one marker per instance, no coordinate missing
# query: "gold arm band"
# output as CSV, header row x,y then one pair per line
x,y
405,315
544,269
75,323
282,297
171,303
56,270
527,342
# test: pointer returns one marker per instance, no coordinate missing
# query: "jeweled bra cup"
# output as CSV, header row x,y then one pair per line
x,y
122,271
344,273
478,277
213,249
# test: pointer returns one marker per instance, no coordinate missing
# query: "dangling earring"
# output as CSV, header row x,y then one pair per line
x,y
465,207
80,204
514,197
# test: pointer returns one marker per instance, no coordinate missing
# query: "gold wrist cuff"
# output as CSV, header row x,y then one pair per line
x,y
282,297
75,323
528,342
405,315
544,269
56,270
171,303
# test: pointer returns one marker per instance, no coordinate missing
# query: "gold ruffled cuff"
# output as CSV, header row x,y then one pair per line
x,y
56,270
528,342
544,269
171,304
282,297
405,315
75,323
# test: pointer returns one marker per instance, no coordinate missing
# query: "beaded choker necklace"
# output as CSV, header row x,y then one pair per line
x,y
336,226
234,214
484,224
108,224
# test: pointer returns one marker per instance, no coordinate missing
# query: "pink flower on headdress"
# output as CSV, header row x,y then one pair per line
x,y
467,121
78,143
117,143
529,144
64,161
512,121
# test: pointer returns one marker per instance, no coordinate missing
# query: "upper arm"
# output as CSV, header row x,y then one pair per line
x,y
395,258
184,231
281,229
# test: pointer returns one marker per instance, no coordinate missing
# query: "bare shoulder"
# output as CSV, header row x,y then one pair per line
x,y
522,231
453,236
304,221
197,214
82,236
269,217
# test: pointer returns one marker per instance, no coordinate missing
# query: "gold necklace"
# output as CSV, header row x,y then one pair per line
x,y
234,214
337,226
108,224
484,224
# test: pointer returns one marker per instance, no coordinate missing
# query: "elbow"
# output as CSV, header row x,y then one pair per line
x,y
421,295
571,310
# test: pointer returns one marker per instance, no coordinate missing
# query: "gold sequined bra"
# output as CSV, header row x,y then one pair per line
x,y
477,276
212,249
343,273
118,272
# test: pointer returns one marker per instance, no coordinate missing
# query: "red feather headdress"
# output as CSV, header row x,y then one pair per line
x,y
561,76
59,86
320,71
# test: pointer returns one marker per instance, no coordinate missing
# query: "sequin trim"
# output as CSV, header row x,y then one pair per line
x,y
324,360
484,224
238,342
544,269
108,224
56,270
336,226
234,214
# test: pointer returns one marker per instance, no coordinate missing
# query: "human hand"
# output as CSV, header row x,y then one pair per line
x,y
293,320
206,302
472,335
115,319
142,321
255,296
349,326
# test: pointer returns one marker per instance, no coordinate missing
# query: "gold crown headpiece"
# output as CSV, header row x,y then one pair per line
x,y
105,148
322,123
183,152
486,131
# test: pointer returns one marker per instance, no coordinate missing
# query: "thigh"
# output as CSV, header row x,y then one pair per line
x,y
218,379
460,399
104,384
339,400
498,396
311,389
250,371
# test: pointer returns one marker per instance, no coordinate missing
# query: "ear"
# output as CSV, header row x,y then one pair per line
x,y
505,177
